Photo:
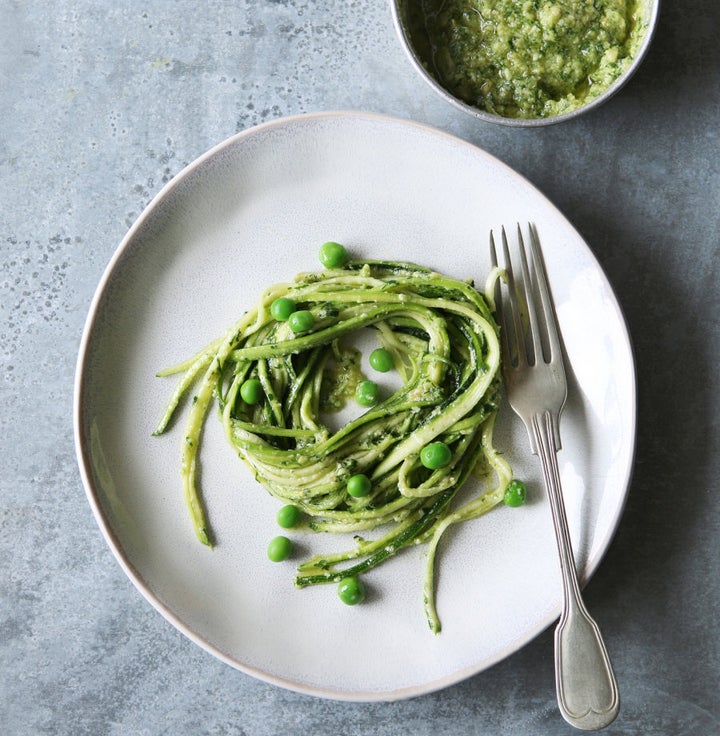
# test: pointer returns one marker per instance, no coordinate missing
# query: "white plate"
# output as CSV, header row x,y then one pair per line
x,y
252,212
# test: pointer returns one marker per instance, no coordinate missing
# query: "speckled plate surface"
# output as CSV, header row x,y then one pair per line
x,y
252,212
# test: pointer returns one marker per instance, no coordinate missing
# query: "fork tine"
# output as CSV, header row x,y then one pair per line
x,y
497,296
518,357
493,251
544,291
535,334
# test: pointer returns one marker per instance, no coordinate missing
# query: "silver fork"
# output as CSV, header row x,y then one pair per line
x,y
536,386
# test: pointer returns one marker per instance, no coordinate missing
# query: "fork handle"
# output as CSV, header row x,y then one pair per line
x,y
587,691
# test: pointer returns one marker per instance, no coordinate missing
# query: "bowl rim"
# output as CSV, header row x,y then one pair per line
x,y
616,86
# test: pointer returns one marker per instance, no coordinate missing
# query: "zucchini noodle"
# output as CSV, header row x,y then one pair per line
x,y
443,340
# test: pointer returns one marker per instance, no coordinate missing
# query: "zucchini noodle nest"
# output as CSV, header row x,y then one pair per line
x,y
443,340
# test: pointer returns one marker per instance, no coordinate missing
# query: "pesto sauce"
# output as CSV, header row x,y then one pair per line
x,y
526,58
342,373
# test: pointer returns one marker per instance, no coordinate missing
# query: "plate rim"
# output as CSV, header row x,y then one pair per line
x,y
85,463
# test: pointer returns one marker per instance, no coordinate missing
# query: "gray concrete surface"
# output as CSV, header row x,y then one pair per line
x,y
100,104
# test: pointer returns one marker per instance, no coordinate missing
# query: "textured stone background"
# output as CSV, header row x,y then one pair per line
x,y
102,103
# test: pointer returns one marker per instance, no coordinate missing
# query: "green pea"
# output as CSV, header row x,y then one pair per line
x,y
282,308
279,549
381,360
333,255
367,393
358,485
301,321
288,516
515,493
351,590
251,391
435,455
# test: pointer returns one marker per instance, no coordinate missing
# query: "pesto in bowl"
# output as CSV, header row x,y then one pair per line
x,y
525,59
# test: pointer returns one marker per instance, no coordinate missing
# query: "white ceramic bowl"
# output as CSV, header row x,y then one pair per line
x,y
400,19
